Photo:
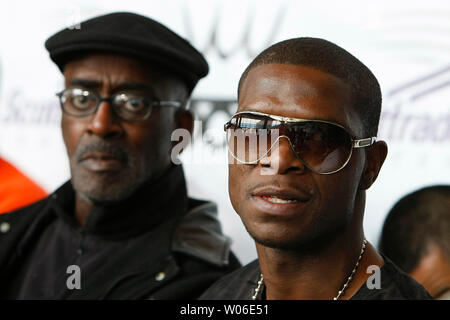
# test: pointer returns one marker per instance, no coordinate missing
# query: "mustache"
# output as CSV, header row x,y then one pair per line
x,y
102,146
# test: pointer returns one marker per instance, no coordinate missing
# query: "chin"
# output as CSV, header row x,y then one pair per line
x,y
276,238
282,243
106,194
103,191
307,241
276,244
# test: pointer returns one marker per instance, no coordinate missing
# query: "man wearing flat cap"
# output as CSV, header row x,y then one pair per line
x,y
123,227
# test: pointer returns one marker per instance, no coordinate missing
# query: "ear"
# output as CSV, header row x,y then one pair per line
x,y
184,119
375,156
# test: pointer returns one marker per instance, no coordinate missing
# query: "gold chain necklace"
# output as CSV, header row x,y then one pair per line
x,y
363,247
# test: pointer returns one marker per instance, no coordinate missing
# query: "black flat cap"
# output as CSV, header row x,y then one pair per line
x,y
131,35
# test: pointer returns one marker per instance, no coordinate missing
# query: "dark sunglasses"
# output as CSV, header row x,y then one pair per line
x,y
324,147
79,102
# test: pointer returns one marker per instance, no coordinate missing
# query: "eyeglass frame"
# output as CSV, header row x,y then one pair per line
x,y
356,143
169,103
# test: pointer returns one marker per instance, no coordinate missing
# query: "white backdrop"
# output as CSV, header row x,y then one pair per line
x,y
405,43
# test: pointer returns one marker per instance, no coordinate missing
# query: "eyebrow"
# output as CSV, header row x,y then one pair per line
x,y
94,84
91,84
253,109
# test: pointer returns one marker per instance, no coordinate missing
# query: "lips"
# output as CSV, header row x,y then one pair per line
x,y
274,199
281,195
101,162
279,201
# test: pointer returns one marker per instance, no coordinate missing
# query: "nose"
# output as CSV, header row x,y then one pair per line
x,y
282,159
104,122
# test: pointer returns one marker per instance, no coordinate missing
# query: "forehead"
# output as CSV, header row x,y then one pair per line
x,y
110,65
109,72
299,91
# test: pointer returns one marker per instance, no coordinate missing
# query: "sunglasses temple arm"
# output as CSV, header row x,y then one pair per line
x,y
361,143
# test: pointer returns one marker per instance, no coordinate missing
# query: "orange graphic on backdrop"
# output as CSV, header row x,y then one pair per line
x,y
16,190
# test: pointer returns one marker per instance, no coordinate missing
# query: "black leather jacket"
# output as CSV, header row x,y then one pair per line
x,y
159,244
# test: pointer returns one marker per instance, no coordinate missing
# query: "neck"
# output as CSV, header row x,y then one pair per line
x,y
82,208
320,274
152,193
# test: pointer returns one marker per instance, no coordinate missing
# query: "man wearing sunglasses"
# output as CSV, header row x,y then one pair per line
x,y
303,152
123,227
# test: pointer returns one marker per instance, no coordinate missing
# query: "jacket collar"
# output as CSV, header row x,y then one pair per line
x,y
146,208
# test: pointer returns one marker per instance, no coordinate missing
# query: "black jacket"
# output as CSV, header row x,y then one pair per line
x,y
158,244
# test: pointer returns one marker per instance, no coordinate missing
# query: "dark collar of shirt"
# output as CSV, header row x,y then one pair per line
x,y
143,210
395,285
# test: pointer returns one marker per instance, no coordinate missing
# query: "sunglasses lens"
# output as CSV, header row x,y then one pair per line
x,y
323,147
249,137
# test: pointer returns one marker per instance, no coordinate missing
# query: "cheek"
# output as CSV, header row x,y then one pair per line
x,y
236,185
71,132
150,140
338,191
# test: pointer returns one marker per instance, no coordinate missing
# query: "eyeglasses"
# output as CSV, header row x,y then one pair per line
x,y
322,146
78,102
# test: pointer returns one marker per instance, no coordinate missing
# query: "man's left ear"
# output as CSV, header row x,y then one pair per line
x,y
375,156
185,120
